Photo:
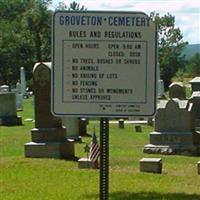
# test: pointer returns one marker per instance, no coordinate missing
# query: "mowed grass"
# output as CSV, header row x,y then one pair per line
x,y
56,179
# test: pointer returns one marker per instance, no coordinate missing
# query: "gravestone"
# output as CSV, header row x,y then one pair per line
x,y
19,97
195,99
198,167
8,112
151,165
138,128
195,83
23,81
83,122
86,163
174,129
150,121
160,83
72,128
4,88
48,136
177,90
161,90
121,123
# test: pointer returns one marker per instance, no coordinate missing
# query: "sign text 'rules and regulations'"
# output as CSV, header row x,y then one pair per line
x,y
104,64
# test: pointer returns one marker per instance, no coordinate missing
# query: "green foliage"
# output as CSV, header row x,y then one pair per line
x,y
170,46
76,6
25,37
73,6
193,66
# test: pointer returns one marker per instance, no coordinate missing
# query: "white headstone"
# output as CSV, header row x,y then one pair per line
x,y
19,96
4,88
23,81
18,87
160,83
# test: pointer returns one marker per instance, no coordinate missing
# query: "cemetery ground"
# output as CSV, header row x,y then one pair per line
x,y
56,179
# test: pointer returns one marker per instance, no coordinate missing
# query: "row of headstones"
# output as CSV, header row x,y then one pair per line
x,y
174,124
49,129
177,122
48,136
11,101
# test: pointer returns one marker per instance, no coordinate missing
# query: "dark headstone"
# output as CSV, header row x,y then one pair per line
x,y
177,90
48,136
8,110
121,123
195,83
174,129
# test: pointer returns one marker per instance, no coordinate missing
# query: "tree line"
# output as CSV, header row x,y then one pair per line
x,y
25,38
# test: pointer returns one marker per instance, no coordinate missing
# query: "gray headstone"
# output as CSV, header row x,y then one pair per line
x,y
8,113
174,116
160,88
19,97
152,165
4,88
72,127
195,83
48,136
83,122
23,81
174,129
121,123
195,99
160,83
177,90
18,87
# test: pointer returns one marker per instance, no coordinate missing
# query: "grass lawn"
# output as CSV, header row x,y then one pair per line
x,y
53,179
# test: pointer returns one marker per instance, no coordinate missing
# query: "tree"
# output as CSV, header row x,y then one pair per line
x,y
25,35
73,6
193,66
170,46
12,44
37,20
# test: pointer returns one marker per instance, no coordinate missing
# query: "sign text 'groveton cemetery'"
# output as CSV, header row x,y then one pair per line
x,y
104,64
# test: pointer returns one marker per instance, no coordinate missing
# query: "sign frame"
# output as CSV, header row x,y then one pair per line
x,y
94,113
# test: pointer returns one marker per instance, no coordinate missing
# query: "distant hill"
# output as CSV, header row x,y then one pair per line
x,y
190,50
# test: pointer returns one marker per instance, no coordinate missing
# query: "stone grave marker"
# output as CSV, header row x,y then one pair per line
x,y
83,122
195,83
48,136
19,97
8,111
177,90
23,81
160,83
121,123
174,129
4,88
151,165
195,99
72,128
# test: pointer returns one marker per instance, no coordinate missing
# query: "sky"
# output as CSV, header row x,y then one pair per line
x,y
186,12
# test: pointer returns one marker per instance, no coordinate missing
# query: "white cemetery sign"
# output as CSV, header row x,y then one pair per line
x,y
104,64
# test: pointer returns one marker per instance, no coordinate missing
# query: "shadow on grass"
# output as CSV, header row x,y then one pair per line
x,y
147,196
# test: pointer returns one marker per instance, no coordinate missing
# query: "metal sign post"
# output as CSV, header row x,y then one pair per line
x,y
104,159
